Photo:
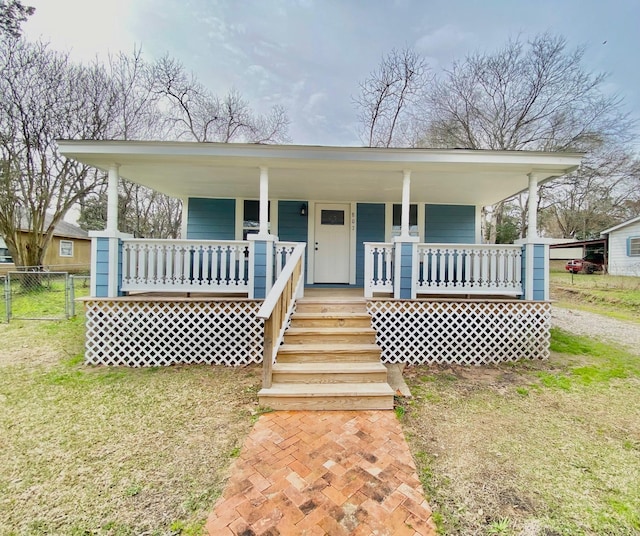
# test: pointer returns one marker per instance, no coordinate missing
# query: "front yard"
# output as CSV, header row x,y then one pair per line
x,y
87,450
532,449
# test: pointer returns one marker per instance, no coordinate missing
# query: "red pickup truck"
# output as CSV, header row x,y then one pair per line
x,y
594,262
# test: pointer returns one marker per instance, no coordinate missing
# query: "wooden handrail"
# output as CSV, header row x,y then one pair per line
x,y
277,308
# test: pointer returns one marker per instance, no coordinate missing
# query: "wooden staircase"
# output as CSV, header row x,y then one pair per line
x,y
329,360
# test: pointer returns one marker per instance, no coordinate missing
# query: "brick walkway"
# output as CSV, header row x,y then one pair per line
x,y
323,472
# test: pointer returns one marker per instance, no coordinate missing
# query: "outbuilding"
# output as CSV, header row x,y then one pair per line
x,y
624,248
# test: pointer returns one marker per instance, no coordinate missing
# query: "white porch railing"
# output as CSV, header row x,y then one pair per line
x,y
185,265
378,268
278,306
283,252
447,269
468,269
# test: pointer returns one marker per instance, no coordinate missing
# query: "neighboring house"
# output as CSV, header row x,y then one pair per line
x,y
263,224
5,258
624,248
69,249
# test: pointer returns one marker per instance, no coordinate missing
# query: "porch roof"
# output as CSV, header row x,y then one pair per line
x,y
334,174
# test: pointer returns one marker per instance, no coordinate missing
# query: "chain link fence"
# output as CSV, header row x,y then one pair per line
x,y
42,295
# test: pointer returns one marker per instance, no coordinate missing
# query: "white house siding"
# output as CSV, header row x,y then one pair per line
x,y
620,263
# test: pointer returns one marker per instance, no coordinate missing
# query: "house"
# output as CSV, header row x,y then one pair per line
x,y
393,234
69,249
624,248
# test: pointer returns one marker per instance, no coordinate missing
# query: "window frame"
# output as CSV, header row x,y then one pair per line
x,y
67,243
633,243
414,228
251,229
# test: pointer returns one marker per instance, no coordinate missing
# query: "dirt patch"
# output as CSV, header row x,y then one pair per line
x,y
26,346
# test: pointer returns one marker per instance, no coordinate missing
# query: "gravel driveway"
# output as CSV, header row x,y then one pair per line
x,y
594,325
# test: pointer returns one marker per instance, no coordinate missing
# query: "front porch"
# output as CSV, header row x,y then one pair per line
x,y
262,224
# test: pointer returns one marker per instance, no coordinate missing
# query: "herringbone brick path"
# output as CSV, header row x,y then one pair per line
x,y
323,472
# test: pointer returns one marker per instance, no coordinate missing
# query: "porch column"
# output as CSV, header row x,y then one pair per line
x,y
106,246
262,245
535,252
406,202
264,201
405,248
532,208
112,199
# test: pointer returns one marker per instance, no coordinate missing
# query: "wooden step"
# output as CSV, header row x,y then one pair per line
x,y
311,305
329,319
322,353
327,396
341,335
329,372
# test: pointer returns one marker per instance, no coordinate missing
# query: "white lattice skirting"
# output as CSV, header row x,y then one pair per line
x,y
158,333
461,332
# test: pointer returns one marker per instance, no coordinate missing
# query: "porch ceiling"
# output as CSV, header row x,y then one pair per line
x,y
189,169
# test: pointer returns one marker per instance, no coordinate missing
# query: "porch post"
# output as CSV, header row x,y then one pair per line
x,y
112,199
405,250
406,202
264,201
106,246
262,245
532,208
535,251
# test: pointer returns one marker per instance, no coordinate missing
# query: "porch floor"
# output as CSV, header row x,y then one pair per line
x,y
323,472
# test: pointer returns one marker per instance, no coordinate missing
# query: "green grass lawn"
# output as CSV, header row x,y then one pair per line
x,y
533,448
111,451
615,296
49,299
537,448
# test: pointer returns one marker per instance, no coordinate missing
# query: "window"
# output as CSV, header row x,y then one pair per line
x,y
397,219
251,217
332,217
634,247
4,255
66,248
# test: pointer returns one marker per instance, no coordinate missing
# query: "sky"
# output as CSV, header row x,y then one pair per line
x,y
310,55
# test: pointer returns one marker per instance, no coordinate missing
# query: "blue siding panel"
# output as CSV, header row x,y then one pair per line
x,y
454,224
260,269
211,219
291,226
102,267
406,261
370,228
539,274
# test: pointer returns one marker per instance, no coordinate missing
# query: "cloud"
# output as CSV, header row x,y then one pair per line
x,y
88,28
444,44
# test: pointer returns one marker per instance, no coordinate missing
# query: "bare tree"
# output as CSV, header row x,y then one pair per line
x,y
142,212
12,14
43,96
136,115
536,96
529,96
606,192
192,112
387,98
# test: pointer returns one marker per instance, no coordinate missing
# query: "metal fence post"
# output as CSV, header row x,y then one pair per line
x,y
7,298
71,300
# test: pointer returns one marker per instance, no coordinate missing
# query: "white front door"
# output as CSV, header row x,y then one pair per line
x,y
332,243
